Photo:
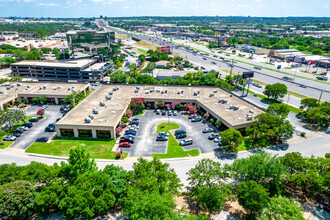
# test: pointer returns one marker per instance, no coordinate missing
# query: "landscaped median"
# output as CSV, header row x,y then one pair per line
x,y
174,150
5,144
97,148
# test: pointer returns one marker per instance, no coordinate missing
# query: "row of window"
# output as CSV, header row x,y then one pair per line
x,y
85,133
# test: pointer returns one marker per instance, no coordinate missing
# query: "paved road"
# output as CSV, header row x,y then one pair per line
x,y
318,146
145,141
267,76
38,129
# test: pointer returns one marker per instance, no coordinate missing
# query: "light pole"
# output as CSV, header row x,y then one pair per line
x,y
321,95
295,73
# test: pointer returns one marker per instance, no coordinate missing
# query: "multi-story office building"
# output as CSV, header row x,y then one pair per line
x,y
79,70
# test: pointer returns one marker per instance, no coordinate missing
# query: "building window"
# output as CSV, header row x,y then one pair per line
x,y
85,133
103,134
66,132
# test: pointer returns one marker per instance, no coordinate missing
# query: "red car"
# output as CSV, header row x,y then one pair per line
x,y
124,144
324,73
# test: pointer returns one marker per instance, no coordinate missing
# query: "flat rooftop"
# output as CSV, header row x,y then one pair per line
x,y
112,111
69,64
95,66
33,89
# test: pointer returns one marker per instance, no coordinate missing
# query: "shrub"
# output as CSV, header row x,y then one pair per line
x,y
303,134
212,120
124,119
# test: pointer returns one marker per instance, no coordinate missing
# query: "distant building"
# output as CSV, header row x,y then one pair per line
x,y
78,70
89,40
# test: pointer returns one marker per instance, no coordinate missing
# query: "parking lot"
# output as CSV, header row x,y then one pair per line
x,y
38,129
145,140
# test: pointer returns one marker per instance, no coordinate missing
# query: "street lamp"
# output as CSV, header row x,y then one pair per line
x,y
295,74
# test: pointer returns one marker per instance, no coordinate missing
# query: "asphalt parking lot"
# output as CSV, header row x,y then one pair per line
x,y
145,140
38,129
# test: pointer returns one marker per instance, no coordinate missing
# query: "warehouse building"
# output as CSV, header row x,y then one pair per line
x,y
99,114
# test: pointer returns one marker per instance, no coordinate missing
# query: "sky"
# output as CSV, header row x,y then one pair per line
x,y
126,8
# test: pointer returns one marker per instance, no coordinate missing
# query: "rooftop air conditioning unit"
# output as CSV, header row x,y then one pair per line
x,y
108,97
137,87
44,87
215,91
114,89
220,100
19,84
236,107
2,92
249,118
40,88
211,94
117,88
231,107
91,116
69,89
102,103
110,93
136,91
88,120
28,86
165,91
251,111
195,93
178,92
60,87
224,101
95,110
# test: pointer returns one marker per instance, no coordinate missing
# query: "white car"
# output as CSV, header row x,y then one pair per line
x,y
217,140
25,128
9,138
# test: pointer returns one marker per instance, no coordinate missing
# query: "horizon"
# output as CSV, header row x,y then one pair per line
x,y
163,8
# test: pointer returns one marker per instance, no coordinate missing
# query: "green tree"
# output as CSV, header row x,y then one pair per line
x,y
229,79
279,109
252,196
79,162
42,99
317,51
231,139
309,103
281,208
142,57
118,77
275,91
35,100
16,103
263,168
17,200
218,123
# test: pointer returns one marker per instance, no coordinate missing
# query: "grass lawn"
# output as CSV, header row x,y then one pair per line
x,y
122,36
142,51
146,45
174,150
98,149
7,144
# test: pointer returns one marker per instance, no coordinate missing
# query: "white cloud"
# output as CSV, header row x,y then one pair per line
x,y
48,4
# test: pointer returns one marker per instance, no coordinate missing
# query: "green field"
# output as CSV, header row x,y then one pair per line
x,y
174,150
142,51
98,149
5,145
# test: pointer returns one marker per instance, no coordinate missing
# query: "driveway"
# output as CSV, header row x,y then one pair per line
x,y
38,129
145,141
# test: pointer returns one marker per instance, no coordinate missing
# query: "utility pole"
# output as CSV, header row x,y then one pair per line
x,y
295,74
321,95
232,66
288,99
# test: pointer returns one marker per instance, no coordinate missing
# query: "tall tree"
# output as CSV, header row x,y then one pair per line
x,y
275,91
279,109
231,139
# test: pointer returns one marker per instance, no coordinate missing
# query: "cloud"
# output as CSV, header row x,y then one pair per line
x,y
48,4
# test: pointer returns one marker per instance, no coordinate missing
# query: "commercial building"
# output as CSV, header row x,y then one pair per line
x,y
99,114
78,70
54,92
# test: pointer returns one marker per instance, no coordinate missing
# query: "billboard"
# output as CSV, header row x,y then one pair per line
x,y
163,49
248,74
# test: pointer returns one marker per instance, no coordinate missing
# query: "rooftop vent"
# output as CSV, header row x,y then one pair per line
x,y
2,92
108,97
136,91
137,87
28,86
88,120
251,111
224,101
215,91
220,100
91,116
211,94
236,108
231,107
95,110
19,84
110,93
102,103
249,118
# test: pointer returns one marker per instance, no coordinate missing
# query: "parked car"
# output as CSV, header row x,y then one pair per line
x,y
58,119
9,138
196,119
134,123
213,63
25,128
207,130
125,144
169,113
16,134
162,138
175,113
28,124
50,129
324,73
217,140
135,126
182,135
257,85
179,132
51,125
136,119
130,132
324,78
186,142
66,109
44,107
302,86
42,139
20,130
257,68
163,112
158,112
164,134
191,116
127,139
213,136
34,119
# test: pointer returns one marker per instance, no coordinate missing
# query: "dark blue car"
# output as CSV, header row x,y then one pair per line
x,y
27,124
130,132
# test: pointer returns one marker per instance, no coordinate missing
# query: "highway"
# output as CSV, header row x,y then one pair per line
x,y
314,89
